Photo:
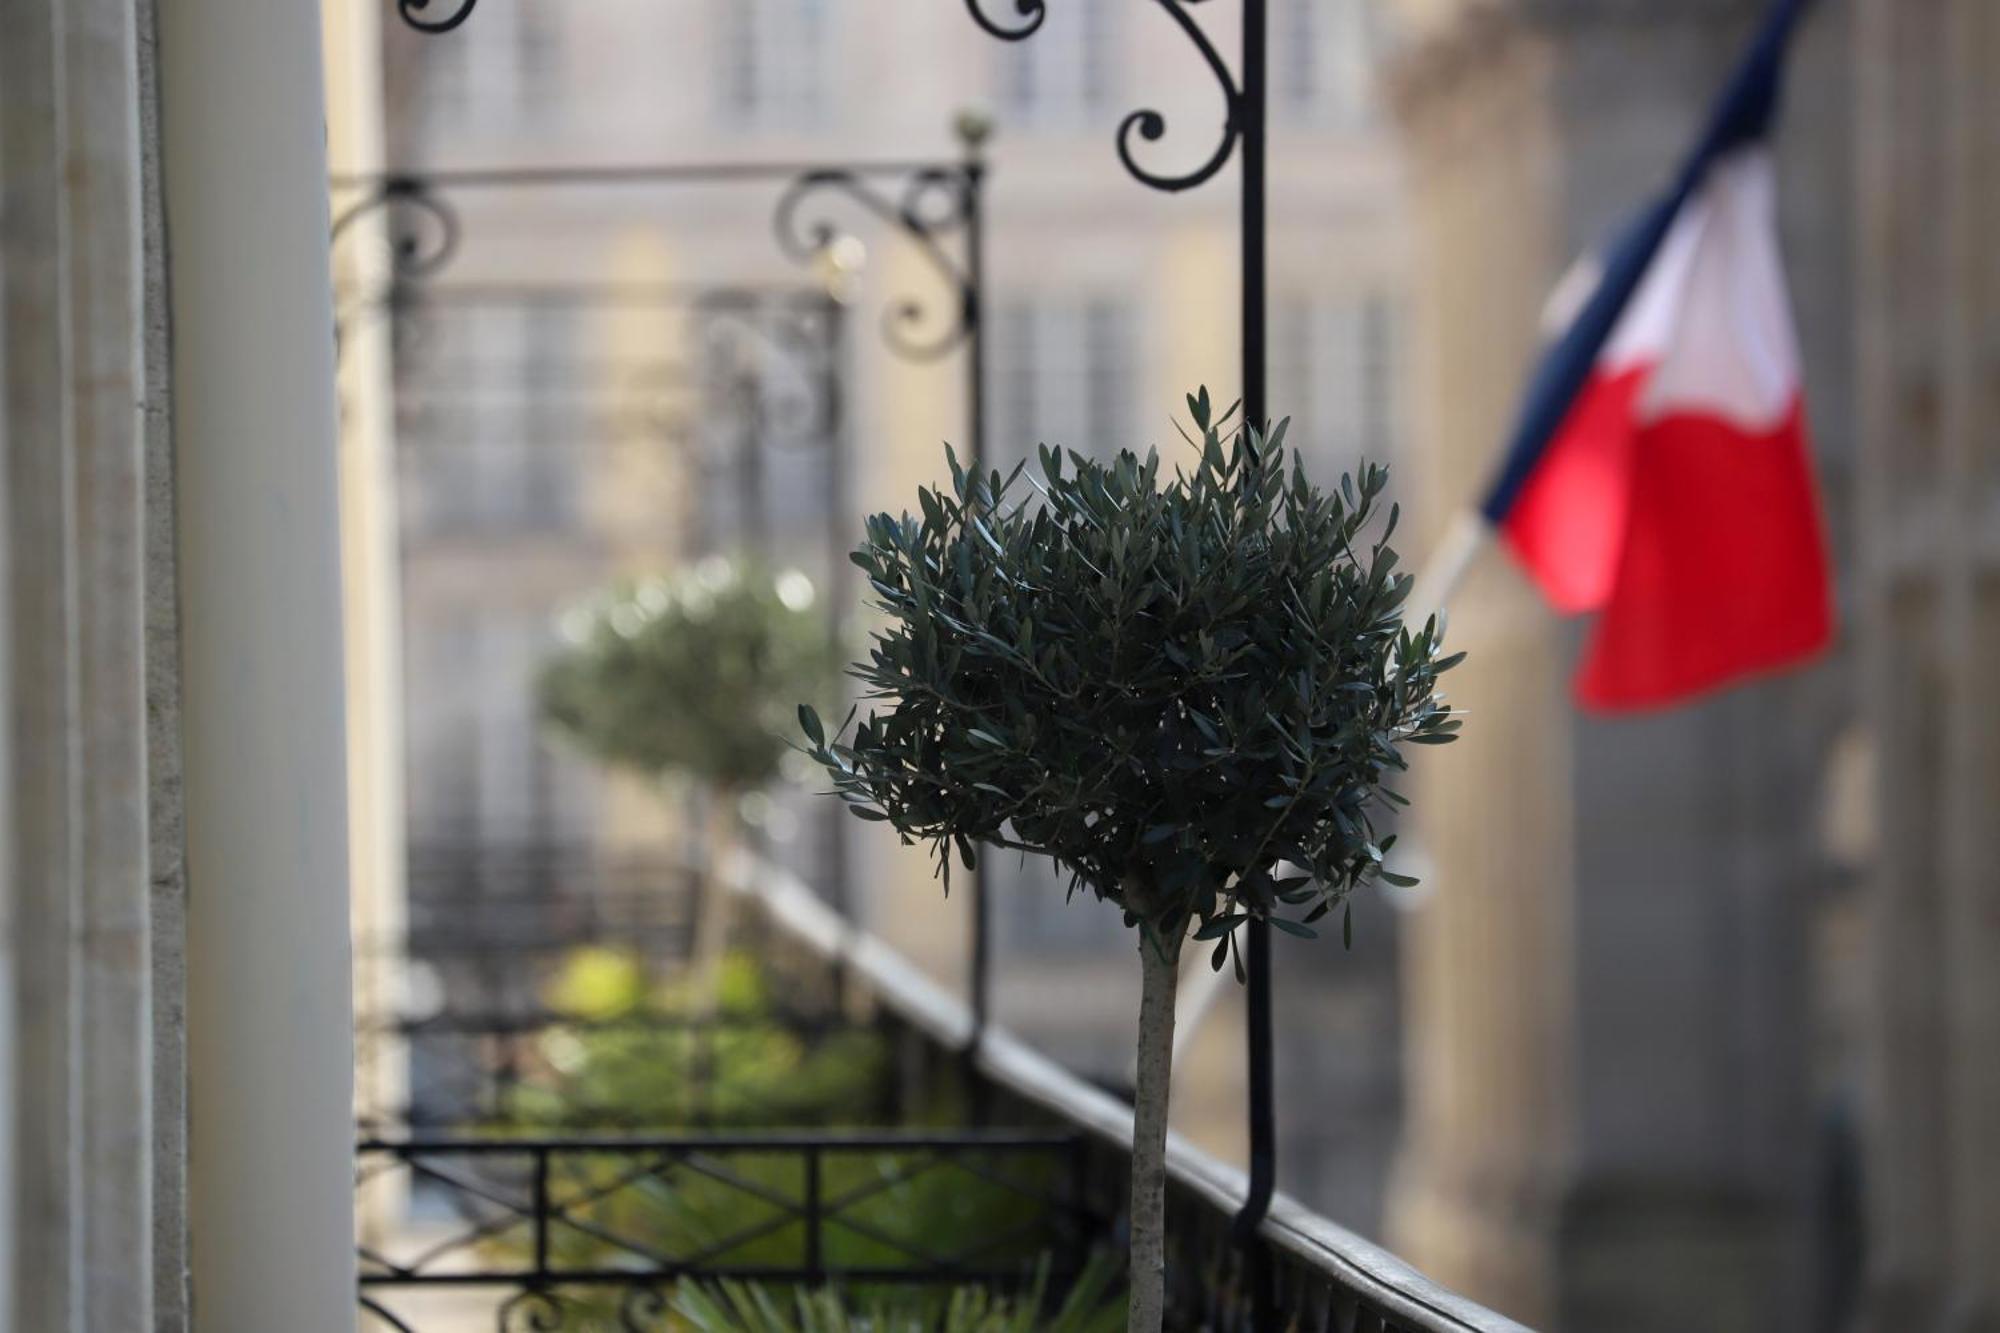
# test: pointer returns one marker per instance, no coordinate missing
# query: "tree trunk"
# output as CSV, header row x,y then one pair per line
x,y
712,912
1160,972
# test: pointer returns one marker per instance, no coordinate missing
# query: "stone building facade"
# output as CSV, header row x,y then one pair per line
x,y
1927,511
1657,1082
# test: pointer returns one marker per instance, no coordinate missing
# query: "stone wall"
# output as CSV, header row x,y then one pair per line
x,y
79,862
1928,515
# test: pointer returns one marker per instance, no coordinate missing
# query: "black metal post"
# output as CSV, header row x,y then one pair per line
x,y
815,1222
1251,107
839,506
972,137
541,1206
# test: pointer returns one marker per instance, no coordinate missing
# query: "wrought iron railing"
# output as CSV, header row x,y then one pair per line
x,y
594,1232
515,1221
1325,1279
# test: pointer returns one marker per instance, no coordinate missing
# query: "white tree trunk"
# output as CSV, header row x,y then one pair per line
x,y
1160,972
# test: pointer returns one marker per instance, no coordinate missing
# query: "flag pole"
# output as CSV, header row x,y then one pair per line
x,y
1450,561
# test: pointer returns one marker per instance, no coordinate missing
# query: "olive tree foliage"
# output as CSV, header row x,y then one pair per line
x,y
696,673
1189,691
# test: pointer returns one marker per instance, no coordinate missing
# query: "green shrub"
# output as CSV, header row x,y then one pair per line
x,y
1092,1306
694,674
663,1054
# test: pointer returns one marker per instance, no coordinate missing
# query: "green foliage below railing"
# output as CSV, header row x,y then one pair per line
x,y
1092,1306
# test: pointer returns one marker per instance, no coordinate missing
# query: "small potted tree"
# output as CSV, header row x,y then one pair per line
x,y
1186,691
694,675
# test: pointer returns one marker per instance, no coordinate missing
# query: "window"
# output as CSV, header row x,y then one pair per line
x,y
500,435
1323,74
481,767
772,70
1334,371
494,73
1065,373
1063,77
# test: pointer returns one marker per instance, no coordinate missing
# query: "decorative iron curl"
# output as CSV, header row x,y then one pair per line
x,y
934,202
785,347
1151,126
1033,13
643,1310
541,1310
415,13
1148,123
424,230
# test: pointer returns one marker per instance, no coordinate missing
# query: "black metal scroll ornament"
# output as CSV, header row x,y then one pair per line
x,y
418,14
643,1308
1146,122
934,204
424,229
532,1310
1032,13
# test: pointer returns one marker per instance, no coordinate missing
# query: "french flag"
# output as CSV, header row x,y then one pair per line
x,y
1661,472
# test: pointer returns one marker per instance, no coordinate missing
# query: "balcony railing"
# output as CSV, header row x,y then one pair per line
x,y
525,1221
589,1225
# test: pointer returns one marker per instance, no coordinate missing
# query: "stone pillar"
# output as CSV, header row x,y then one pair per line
x,y
78,1199
270,1031
1610,1124
371,565
1929,296
1487,979
106,376
40,651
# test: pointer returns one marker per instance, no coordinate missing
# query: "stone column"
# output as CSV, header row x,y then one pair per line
x,y
1487,978
270,1030
1610,1125
40,651
113,982
372,573
1929,295
79,1202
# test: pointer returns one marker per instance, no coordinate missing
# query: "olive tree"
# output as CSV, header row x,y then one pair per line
x,y
1187,691
693,675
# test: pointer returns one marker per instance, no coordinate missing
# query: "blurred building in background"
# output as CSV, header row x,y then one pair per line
x,y
1695,1025
1700,1030
1611,1067
1620,1116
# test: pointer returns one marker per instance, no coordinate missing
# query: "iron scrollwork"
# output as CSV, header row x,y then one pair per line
x,y
933,204
782,349
642,1310
532,1310
417,13
1148,123
1031,13
424,228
